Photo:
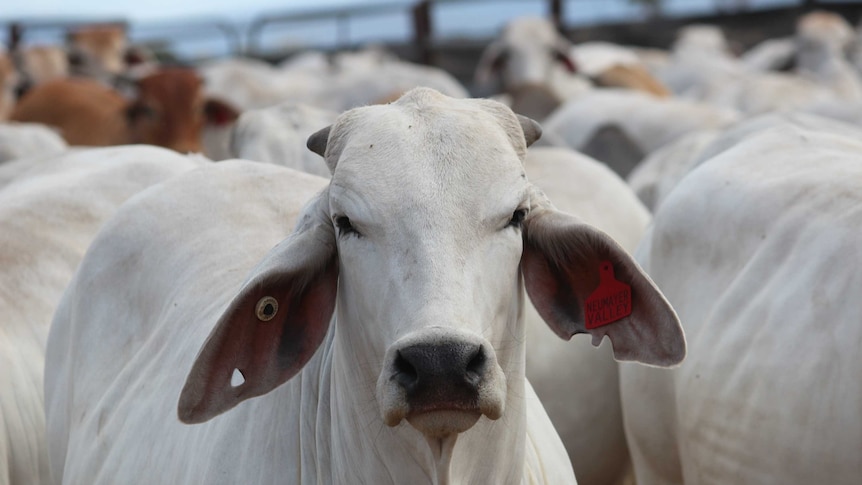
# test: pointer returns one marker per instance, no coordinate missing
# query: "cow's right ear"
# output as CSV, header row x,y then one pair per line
x,y
273,326
581,281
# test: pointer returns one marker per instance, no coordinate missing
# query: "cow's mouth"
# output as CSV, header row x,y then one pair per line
x,y
442,422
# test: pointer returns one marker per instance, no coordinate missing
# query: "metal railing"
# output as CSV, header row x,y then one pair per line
x,y
424,21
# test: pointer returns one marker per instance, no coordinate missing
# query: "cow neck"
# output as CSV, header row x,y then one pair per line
x,y
364,450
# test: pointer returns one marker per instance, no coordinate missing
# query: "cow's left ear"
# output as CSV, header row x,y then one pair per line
x,y
219,113
581,281
273,326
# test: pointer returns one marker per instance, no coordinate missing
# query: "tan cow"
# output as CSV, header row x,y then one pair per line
x,y
169,110
98,51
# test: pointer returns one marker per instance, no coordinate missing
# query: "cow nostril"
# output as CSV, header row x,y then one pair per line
x,y
405,373
476,365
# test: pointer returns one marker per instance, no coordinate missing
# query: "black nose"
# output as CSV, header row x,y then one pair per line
x,y
442,372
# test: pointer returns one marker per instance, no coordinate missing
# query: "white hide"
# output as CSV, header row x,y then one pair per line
x,y
577,384
20,140
278,134
49,217
350,80
250,84
702,69
758,250
770,55
658,173
648,121
373,77
434,191
593,58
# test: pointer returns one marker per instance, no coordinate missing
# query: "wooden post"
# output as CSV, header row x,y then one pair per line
x,y
555,7
422,31
16,32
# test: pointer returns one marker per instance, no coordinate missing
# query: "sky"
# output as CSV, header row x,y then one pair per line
x,y
160,10
189,24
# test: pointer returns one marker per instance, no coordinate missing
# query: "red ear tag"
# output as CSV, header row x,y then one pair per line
x,y
611,301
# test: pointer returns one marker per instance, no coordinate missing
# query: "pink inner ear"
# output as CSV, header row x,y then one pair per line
x,y
267,353
220,113
567,61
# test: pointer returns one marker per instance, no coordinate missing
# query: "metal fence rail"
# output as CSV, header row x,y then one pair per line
x,y
424,23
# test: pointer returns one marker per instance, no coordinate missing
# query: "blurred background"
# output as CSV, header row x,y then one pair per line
x,y
446,33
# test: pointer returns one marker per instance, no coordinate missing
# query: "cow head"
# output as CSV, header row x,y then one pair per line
x,y
422,246
170,110
527,56
97,51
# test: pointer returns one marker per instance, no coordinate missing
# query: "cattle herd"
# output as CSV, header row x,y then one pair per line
x,y
382,279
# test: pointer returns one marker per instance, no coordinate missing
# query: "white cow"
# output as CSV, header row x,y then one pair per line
x,y
659,173
645,122
579,385
277,135
538,68
758,249
49,217
534,66
415,250
19,140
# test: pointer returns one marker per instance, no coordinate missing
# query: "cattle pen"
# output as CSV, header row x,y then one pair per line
x,y
423,31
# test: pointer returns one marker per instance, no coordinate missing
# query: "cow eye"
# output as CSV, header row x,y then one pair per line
x,y
517,218
345,227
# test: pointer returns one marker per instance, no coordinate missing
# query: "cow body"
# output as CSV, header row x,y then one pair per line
x,y
757,249
49,217
19,140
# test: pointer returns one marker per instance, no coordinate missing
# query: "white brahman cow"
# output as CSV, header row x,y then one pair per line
x,y
277,135
538,68
384,337
50,214
19,140
659,173
620,127
758,249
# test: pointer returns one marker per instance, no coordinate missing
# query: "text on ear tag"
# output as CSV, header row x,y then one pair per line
x,y
610,302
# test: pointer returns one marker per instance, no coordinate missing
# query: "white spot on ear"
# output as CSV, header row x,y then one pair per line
x,y
266,308
237,379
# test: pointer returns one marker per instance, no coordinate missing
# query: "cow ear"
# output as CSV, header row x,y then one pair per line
x,y
272,327
561,54
493,59
219,113
577,276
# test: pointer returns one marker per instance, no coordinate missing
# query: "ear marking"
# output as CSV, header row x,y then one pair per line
x,y
237,379
266,308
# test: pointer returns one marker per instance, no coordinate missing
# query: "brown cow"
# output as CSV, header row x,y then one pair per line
x,y
169,110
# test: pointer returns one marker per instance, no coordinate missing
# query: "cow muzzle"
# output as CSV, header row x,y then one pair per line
x,y
441,381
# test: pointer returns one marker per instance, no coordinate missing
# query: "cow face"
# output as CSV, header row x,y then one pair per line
x,y
418,247
170,110
526,53
97,51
